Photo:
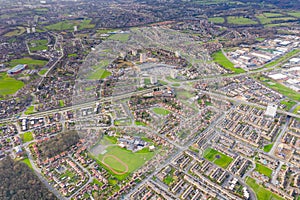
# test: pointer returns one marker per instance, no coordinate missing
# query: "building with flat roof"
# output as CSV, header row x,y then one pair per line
x,y
271,110
17,69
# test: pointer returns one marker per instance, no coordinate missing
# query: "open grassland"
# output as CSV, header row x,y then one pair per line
x,y
221,59
261,192
69,25
217,157
216,20
240,20
38,45
9,85
263,170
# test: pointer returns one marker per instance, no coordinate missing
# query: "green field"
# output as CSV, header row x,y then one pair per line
x,y
132,160
267,148
29,110
240,20
69,25
38,45
72,55
17,31
99,74
216,20
288,104
120,37
297,109
263,170
161,111
261,192
280,88
212,154
61,103
29,61
9,85
221,59
269,18
294,14
27,137
27,162
283,58
43,72
138,123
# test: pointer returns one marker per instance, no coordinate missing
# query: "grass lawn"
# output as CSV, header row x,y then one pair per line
x,y
69,25
132,160
18,31
216,20
297,110
27,137
295,14
240,20
221,59
288,104
281,59
261,192
217,157
61,103
28,61
72,55
183,94
29,110
138,123
263,170
38,45
99,74
280,88
268,147
27,162
120,37
161,111
9,85
43,72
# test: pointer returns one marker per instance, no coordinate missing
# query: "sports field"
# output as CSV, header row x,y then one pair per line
x,y
99,74
9,85
122,162
217,157
161,111
261,192
120,37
